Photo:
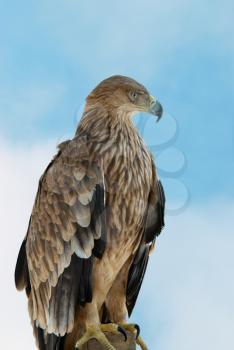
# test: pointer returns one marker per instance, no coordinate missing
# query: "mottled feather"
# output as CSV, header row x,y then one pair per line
x,y
97,213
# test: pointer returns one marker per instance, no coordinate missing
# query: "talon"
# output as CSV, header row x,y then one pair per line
x,y
135,330
122,331
141,343
138,330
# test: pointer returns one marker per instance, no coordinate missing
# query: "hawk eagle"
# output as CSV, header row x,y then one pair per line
x,y
97,213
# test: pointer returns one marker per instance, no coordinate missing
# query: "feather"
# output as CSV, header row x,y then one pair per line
x,y
155,213
21,270
82,214
135,277
106,164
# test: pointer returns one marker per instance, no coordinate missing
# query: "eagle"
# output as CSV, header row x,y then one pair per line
x,y
98,210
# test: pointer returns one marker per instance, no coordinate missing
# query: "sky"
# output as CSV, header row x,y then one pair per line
x,y
52,53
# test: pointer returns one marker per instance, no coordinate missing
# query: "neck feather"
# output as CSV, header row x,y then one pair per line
x,y
98,121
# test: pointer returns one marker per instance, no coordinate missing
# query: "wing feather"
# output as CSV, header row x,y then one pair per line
x,y
153,225
66,228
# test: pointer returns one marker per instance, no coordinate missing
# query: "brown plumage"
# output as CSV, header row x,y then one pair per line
x,y
98,210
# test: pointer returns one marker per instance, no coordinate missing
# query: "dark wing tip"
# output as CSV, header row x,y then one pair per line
x,y
136,276
21,268
161,204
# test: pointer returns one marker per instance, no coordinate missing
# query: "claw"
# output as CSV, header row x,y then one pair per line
x,y
122,331
138,330
135,330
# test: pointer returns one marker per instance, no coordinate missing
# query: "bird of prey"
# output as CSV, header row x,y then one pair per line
x,y
96,216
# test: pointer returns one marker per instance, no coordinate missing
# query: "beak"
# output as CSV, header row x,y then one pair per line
x,y
155,108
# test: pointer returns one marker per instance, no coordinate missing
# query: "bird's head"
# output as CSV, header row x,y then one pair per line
x,y
124,94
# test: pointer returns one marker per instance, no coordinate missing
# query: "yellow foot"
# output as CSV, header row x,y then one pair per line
x,y
96,332
135,329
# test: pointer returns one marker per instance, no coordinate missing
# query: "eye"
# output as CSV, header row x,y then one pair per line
x,y
133,95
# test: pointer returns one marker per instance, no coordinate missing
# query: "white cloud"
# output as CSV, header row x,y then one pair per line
x,y
189,285
20,171
187,298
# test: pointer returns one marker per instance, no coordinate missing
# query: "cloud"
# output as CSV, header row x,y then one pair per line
x,y
20,171
187,298
188,290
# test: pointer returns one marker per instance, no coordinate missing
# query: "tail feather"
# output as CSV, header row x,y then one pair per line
x,y
48,341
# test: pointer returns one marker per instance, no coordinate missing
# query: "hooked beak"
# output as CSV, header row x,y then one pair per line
x,y
155,108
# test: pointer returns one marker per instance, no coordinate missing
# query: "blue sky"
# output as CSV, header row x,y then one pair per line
x,y
52,53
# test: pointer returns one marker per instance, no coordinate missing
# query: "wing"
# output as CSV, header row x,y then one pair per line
x,y
66,230
154,223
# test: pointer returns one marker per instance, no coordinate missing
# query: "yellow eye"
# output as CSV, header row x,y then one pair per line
x,y
133,95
